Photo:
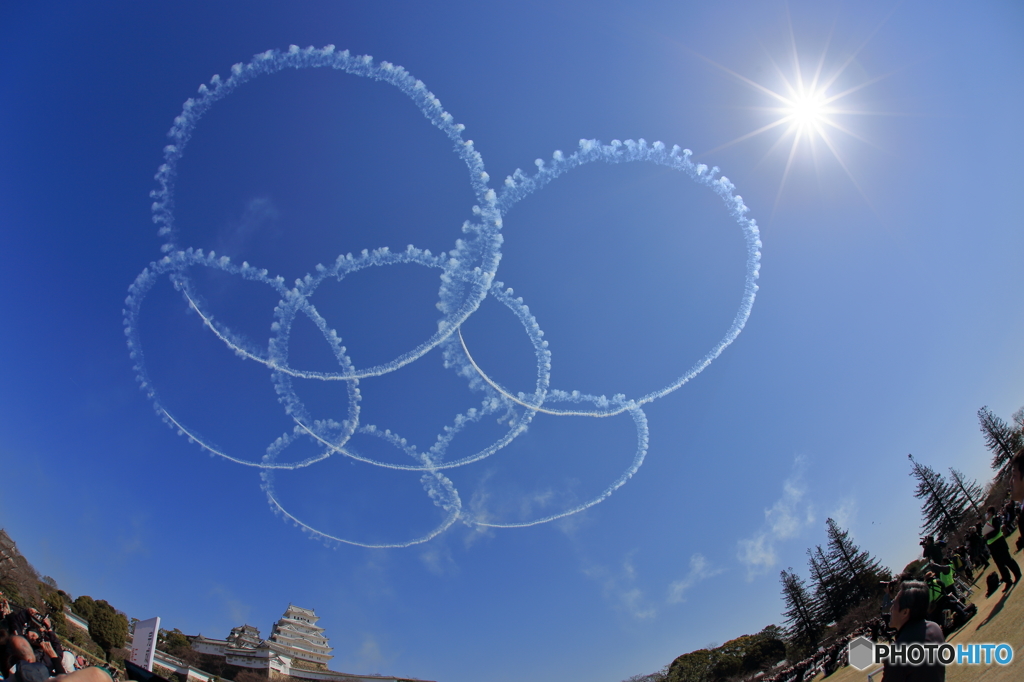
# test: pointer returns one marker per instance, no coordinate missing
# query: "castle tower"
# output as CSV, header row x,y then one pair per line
x,y
244,637
297,636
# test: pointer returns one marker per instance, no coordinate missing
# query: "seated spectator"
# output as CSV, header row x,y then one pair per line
x,y
5,666
69,662
18,623
28,670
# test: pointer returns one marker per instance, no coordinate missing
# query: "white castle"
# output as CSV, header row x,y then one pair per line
x,y
297,636
297,647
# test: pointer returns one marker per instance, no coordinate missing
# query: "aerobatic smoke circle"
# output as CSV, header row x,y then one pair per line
x,y
468,272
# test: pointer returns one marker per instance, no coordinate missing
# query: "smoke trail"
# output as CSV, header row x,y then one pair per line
x,y
467,274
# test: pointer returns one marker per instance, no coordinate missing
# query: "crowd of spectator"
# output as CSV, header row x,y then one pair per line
x,y
931,599
31,651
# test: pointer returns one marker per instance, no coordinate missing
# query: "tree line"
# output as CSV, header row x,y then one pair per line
x,y
843,583
844,580
108,627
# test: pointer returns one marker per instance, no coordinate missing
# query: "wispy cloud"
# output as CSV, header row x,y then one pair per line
x,y
370,656
132,541
782,521
237,610
438,559
700,570
259,217
846,513
619,587
479,511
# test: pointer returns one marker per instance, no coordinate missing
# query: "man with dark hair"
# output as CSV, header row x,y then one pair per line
x,y
22,621
931,550
1000,551
907,616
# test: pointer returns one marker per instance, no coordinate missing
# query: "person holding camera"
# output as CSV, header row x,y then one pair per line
x,y
29,669
931,550
37,630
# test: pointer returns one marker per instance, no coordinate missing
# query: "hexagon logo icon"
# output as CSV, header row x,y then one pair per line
x,y
862,653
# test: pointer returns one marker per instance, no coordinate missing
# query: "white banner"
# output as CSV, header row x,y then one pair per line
x,y
144,643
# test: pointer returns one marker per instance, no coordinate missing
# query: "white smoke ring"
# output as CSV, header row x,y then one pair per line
x,y
460,275
454,359
518,185
473,261
437,486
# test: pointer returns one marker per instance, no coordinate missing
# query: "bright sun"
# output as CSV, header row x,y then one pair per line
x,y
806,109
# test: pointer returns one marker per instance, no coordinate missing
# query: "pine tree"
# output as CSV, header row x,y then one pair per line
x,y
970,493
940,509
858,569
802,624
829,593
1001,438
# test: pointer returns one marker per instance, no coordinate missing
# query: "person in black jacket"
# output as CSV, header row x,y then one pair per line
x,y
993,533
1017,492
907,616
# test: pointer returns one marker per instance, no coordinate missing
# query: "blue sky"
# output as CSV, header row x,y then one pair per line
x,y
888,312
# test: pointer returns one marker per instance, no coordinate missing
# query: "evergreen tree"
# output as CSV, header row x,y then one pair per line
x,y
802,624
941,511
859,571
829,593
1001,438
969,492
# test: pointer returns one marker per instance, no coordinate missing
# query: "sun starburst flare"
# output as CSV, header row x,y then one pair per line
x,y
806,108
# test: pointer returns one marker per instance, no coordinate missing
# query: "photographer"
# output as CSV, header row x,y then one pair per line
x,y
931,550
47,649
38,631
29,670
977,548
889,591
